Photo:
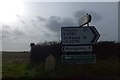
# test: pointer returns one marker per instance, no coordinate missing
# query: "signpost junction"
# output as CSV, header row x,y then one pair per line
x,y
79,39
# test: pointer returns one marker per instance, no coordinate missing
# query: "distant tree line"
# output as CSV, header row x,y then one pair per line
x,y
40,51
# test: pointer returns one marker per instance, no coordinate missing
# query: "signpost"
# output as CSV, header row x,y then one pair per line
x,y
79,35
85,20
76,48
79,59
79,39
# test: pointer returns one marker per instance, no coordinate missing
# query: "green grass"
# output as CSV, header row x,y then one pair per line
x,y
15,70
20,69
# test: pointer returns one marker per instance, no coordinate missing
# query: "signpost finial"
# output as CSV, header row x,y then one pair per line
x,y
85,20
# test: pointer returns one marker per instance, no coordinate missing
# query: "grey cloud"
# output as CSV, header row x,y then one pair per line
x,y
17,33
32,20
55,18
22,21
54,23
34,24
5,34
67,22
80,14
95,16
6,27
41,19
8,33
38,21
18,15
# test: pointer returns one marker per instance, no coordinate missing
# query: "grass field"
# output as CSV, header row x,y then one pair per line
x,y
16,65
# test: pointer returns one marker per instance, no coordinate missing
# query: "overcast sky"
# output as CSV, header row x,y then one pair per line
x,y
42,22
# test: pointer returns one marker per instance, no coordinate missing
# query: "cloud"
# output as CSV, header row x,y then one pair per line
x,y
20,19
42,29
34,24
38,21
8,33
51,25
95,16
18,33
13,39
54,23
41,19
80,14
67,22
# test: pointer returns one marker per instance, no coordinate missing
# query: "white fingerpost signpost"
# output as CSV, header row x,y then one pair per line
x,y
76,48
79,39
85,20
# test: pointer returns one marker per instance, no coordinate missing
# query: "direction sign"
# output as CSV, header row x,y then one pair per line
x,y
85,20
79,35
79,59
76,48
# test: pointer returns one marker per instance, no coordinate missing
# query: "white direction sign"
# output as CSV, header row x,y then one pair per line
x,y
79,35
85,20
76,48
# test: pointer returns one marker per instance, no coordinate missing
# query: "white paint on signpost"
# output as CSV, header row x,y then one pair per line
x,y
79,35
76,48
85,20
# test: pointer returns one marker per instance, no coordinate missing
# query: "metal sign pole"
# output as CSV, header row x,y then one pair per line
x,y
88,25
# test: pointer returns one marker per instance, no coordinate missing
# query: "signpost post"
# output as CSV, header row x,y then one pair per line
x,y
79,39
